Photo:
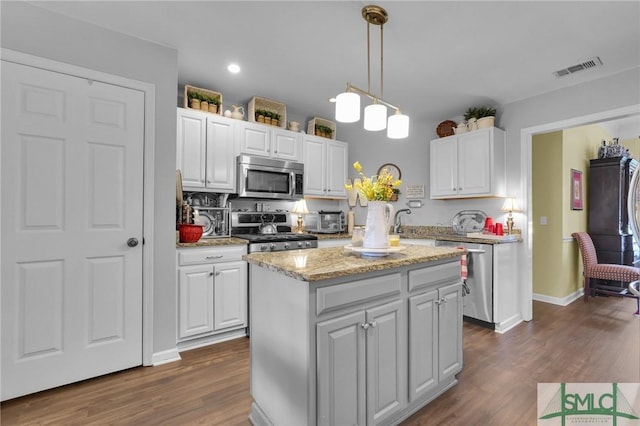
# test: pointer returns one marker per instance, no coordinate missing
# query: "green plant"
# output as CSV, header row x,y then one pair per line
x,y
276,116
324,129
479,112
485,112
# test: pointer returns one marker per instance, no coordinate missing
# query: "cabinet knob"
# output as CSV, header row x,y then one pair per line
x,y
373,324
364,325
210,274
217,273
459,189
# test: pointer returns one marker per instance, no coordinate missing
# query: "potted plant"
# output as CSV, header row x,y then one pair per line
x,y
480,117
267,117
486,117
260,115
275,119
213,104
194,100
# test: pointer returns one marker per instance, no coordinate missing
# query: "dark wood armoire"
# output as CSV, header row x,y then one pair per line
x,y
608,220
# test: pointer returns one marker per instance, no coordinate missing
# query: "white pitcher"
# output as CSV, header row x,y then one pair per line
x,y
379,218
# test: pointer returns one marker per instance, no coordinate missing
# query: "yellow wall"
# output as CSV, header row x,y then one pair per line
x,y
546,202
557,271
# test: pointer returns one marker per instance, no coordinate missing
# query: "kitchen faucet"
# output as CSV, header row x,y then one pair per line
x,y
396,220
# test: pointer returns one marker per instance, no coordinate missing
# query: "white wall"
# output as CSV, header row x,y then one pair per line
x,y
36,31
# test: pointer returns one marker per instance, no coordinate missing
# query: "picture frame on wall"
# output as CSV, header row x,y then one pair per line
x,y
576,189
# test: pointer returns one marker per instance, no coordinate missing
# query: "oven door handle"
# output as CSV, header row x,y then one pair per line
x,y
475,251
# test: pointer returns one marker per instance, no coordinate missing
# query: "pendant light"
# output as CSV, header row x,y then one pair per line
x,y
375,115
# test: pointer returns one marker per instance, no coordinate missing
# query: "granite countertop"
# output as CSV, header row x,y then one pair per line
x,y
432,233
334,262
214,242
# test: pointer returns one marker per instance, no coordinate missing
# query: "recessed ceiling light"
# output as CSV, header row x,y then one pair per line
x,y
332,100
234,68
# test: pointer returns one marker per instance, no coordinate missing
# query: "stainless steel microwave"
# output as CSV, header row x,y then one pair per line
x,y
260,177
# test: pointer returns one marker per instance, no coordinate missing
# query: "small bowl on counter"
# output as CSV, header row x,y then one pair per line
x,y
189,233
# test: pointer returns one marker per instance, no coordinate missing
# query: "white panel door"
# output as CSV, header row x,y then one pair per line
x,y
341,371
230,295
474,161
195,300
444,167
221,164
337,153
72,180
385,367
315,166
191,147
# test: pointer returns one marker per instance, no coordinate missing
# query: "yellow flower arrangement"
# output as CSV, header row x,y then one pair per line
x,y
375,188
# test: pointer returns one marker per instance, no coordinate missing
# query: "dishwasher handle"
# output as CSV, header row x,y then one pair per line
x,y
475,251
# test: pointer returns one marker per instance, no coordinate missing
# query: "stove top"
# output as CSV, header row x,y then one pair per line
x,y
280,236
247,224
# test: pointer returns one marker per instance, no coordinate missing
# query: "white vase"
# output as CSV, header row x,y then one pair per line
x,y
376,231
486,122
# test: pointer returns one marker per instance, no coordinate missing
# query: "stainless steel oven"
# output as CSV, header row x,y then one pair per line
x,y
260,177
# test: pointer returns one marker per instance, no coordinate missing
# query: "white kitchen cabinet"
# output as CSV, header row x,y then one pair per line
x,y
205,151
325,162
359,366
230,295
468,165
212,294
435,329
268,141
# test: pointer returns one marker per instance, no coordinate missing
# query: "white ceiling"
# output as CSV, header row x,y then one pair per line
x,y
440,57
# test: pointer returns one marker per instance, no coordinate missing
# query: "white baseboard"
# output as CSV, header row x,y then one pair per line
x,y
209,340
504,326
562,301
164,357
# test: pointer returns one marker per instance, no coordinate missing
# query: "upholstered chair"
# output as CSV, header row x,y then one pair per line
x,y
605,271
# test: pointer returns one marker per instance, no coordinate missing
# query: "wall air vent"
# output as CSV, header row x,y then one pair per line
x,y
589,63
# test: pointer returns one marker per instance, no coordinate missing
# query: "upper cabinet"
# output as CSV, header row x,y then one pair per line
x,y
468,165
268,141
325,163
205,151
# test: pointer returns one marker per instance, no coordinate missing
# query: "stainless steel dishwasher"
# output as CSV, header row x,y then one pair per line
x,y
478,294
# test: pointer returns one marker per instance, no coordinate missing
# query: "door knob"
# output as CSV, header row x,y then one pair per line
x,y
132,242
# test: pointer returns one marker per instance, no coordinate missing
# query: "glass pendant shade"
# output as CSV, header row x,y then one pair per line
x,y
348,107
398,126
375,117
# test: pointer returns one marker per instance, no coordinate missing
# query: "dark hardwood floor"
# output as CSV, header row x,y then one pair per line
x,y
597,341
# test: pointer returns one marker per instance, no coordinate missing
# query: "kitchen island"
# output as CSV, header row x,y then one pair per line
x,y
339,338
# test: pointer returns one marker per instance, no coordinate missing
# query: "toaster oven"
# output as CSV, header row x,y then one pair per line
x,y
325,222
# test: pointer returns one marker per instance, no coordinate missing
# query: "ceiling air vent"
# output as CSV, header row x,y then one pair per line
x,y
589,63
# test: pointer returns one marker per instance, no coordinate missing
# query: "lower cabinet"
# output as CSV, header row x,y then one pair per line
x,y
435,338
360,379
357,350
212,292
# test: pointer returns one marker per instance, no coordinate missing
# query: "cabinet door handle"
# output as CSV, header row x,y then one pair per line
x,y
373,324
217,273
364,325
219,256
438,301
210,274
443,300
459,189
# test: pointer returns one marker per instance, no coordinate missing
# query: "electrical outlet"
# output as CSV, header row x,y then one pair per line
x,y
543,220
